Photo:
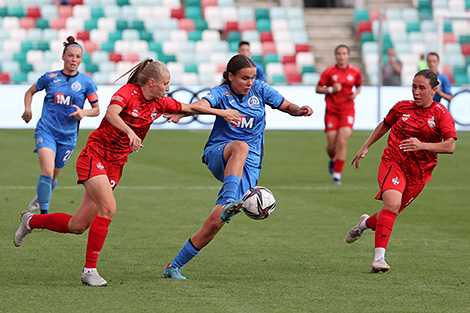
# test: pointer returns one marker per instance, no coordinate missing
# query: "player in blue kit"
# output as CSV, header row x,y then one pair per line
x,y
233,154
57,129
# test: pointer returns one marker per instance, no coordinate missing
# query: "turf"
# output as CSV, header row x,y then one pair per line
x,y
294,261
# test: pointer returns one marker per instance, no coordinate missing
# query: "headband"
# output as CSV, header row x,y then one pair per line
x,y
72,45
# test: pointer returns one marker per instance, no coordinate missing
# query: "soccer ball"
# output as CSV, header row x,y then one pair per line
x,y
259,203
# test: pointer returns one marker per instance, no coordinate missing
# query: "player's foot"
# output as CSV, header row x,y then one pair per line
x,y
331,166
34,204
91,277
356,232
336,181
23,229
230,209
379,266
173,272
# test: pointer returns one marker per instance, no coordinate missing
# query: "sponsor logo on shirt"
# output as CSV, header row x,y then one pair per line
x,y
334,77
228,93
39,141
117,98
135,113
350,77
56,80
53,75
76,86
395,181
431,122
154,114
100,166
62,99
405,117
244,122
253,101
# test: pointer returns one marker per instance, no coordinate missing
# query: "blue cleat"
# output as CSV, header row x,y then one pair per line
x,y
331,166
336,181
173,272
230,209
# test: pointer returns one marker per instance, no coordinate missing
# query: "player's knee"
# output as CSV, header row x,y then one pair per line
x,y
78,228
108,210
393,207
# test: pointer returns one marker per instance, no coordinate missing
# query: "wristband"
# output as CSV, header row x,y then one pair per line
x,y
330,89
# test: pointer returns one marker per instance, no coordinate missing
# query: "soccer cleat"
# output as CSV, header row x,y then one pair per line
x,y
34,204
331,166
379,266
23,229
356,232
91,277
173,272
336,181
230,209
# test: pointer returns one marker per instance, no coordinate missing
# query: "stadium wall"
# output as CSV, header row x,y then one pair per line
x,y
367,115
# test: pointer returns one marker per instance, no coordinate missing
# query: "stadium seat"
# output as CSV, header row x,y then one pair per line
x,y
246,14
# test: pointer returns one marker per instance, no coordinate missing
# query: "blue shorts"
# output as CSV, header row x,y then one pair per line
x,y
215,161
46,140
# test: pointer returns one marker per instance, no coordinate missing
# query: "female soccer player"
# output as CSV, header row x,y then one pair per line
x,y
132,110
419,130
57,129
337,83
234,154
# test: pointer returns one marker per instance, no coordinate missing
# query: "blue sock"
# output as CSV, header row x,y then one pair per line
x,y
44,191
186,254
54,184
231,186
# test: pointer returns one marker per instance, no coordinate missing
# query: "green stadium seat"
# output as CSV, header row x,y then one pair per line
x,y
190,68
138,25
308,69
122,24
96,12
91,67
145,35
166,58
114,36
42,24
200,24
464,39
43,46
122,2
271,58
279,80
234,36
156,47
19,78
263,25
193,12
3,11
26,67
86,57
261,14
17,11
361,15
461,79
367,36
233,46
459,70
447,27
195,35
20,57
257,59
108,46
91,24
413,27
26,46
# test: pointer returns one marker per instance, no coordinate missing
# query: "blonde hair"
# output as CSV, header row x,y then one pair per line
x,y
142,72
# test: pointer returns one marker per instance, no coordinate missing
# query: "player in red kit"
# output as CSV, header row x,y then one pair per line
x,y
419,130
132,110
337,83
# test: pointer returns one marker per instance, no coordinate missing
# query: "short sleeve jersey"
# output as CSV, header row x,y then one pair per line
x,y
61,92
444,84
138,113
407,120
253,117
349,77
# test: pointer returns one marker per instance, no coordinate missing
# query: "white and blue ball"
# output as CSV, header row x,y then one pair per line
x,y
259,203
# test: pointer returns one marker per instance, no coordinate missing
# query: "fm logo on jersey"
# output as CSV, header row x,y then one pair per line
x,y
62,99
244,122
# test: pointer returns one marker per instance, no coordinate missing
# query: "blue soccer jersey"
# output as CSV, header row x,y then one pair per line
x,y
253,117
444,84
61,92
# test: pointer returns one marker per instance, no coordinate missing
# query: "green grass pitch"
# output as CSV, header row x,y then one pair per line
x,y
295,261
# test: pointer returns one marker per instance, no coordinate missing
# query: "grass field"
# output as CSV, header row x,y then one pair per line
x,y
295,261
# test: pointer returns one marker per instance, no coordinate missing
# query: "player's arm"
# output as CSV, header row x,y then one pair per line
x,y
203,107
355,93
413,144
28,99
81,113
295,110
112,116
378,132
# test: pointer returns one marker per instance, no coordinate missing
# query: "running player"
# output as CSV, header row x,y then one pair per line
x,y
337,83
419,130
444,88
132,110
57,129
234,154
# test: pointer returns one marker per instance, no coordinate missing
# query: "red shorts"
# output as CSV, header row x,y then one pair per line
x,y
392,177
89,164
337,121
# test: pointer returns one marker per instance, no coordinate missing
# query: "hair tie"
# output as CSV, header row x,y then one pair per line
x,y
150,60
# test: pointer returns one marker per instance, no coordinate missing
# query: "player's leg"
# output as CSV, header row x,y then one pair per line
x,y
331,149
341,150
44,188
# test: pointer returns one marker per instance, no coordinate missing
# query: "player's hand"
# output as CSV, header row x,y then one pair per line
x,y
135,142
27,116
231,116
173,117
305,111
79,114
352,96
411,144
362,153
337,87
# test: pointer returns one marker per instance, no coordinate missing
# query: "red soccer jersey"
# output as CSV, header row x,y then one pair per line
x,y
138,113
348,77
407,120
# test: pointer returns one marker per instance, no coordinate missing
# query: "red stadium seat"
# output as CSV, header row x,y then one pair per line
x,y
373,15
288,59
266,36
131,57
208,3
293,78
449,38
4,78
34,12
247,25
76,2
466,49
269,48
83,35
231,27
187,24
58,23
363,26
65,11
447,70
115,57
302,48
91,46
27,22
291,68
177,13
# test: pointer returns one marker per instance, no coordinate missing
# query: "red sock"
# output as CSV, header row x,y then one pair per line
x,y
96,237
339,164
58,222
371,222
384,228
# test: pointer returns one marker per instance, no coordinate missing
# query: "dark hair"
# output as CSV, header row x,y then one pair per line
x,y
342,46
235,64
242,43
430,75
70,41
435,54
145,70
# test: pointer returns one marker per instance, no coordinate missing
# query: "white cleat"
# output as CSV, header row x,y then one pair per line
x,y
379,266
34,204
356,232
23,229
91,277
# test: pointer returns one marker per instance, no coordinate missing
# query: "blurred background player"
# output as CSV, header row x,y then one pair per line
x,y
444,89
233,154
132,110
57,129
419,130
244,49
391,71
337,83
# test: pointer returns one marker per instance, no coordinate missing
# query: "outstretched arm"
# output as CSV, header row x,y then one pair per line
x,y
203,107
378,132
295,110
